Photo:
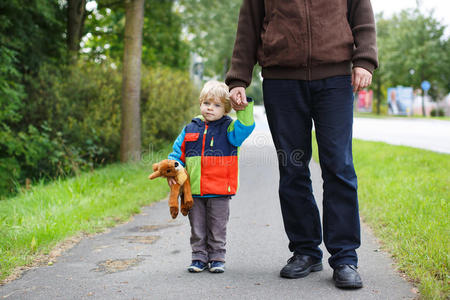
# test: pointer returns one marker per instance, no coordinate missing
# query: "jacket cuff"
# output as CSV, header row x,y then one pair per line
x,y
364,64
170,157
236,83
245,116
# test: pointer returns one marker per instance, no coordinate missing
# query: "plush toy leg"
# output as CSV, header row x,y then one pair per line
x,y
183,208
173,200
188,200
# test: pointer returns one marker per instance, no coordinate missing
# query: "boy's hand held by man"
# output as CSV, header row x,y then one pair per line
x,y
171,181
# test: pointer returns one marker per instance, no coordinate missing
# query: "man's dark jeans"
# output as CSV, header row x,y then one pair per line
x,y
291,105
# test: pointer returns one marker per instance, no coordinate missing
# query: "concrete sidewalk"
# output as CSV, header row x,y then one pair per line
x,y
147,257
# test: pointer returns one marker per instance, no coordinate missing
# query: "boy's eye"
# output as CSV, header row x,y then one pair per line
x,y
206,102
218,105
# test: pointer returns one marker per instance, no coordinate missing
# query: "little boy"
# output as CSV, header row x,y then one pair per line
x,y
208,147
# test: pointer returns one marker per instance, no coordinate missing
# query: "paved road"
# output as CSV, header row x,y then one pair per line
x,y
426,134
147,257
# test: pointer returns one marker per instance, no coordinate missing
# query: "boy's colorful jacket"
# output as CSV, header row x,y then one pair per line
x,y
209,151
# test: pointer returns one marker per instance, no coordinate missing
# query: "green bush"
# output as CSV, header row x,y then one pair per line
x,y
70,120
82,102
168,101
26,152
438,112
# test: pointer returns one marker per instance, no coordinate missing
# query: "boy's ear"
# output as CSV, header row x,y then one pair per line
x,y
155,167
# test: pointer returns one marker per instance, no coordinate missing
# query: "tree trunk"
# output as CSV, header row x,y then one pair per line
x,y
378,95
76,14
130,145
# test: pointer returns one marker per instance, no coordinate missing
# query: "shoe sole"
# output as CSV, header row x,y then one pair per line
x,y
348,285
313,268
216,270
195,270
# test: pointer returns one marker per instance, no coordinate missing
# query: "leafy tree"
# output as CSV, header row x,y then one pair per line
x,y
445,75
31,33
212,25
212,30
11,89
162,41
380,76
415,50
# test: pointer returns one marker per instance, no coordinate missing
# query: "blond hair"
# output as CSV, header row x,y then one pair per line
x,y
213,90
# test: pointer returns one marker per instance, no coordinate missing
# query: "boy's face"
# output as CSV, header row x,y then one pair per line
x,y
212,109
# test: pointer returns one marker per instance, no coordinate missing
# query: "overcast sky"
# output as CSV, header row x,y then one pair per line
x,y
441,8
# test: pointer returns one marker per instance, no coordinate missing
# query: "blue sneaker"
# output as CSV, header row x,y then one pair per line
x,y
197,266
217,266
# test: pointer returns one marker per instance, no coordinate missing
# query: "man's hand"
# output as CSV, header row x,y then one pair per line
x,y
171,181
238,98
361,78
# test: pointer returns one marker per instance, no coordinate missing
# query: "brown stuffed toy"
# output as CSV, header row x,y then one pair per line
x,y
172,168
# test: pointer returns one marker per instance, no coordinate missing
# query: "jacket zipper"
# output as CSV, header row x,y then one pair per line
x,y
201,158
309,39
228,181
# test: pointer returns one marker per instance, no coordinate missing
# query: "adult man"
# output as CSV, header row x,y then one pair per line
x,y
311,53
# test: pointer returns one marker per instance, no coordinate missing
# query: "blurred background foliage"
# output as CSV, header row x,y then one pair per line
x,y
61,116
168,100
412,47
162,43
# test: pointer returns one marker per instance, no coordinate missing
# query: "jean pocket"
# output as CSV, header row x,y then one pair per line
x,y
340,81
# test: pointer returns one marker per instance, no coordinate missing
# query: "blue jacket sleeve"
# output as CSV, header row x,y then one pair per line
x,y
241,128
177,153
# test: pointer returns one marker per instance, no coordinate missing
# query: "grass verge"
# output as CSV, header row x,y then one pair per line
x,y
385,116
403,195
34,221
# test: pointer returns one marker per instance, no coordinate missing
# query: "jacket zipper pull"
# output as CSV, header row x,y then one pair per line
x,y
212,142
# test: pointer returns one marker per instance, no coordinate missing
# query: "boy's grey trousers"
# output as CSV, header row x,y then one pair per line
x,y
208,218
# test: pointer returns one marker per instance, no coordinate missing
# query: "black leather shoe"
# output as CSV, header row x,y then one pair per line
x,y
300,266
346,277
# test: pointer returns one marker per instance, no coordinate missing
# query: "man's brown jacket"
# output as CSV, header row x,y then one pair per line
x,y
302,39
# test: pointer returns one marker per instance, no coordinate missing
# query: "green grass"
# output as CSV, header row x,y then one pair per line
x,y
36,220
404,196
385,116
